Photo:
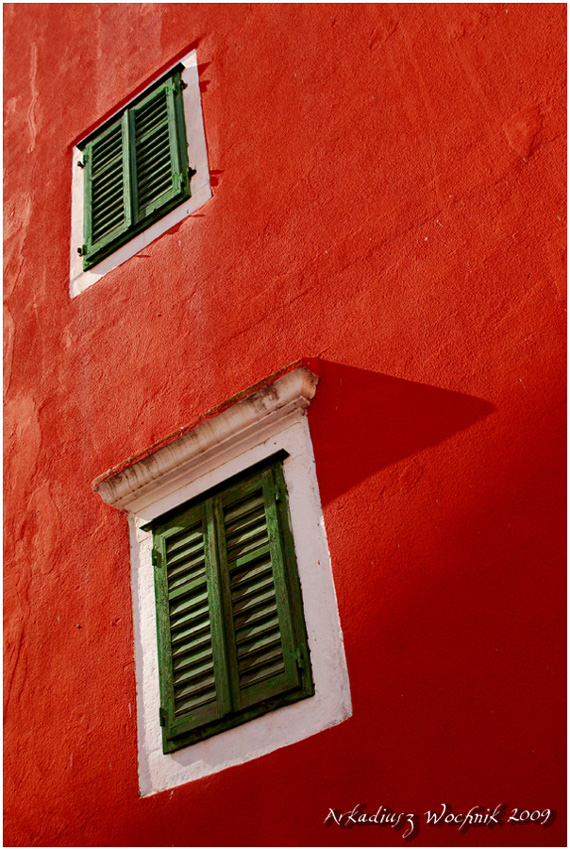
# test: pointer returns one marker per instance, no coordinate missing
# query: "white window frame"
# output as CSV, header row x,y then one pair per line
x,y
80,280
270,419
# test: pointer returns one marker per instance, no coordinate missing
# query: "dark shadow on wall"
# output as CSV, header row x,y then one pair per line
x,y
363,421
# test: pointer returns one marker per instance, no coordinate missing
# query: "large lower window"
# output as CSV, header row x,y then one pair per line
x,y
231,578
231,634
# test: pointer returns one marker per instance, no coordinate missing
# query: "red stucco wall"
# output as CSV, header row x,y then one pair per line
x,y
389,194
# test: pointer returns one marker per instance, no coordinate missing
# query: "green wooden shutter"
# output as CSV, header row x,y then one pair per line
x,y
191,654
135,170
108,211
231,632
261,636
158,156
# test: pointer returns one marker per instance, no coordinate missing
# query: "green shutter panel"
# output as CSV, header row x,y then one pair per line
x,y
107,190
191,655
158,155
231,633
135,171
262,639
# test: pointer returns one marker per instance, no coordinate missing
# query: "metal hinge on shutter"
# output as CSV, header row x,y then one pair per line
x,y
299,659
162,714
156,558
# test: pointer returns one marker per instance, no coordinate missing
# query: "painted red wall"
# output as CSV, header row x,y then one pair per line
x,y
389,196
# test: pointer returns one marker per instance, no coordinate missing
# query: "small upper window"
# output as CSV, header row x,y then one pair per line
x,y
135,170
139,174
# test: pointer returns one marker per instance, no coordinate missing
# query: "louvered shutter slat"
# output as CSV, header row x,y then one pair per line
x,y
246,589
188,641
182,539
251,572
108,198
251,536
254,616
238,511
158,171
193,553
149,143
259,625
184,662
179,580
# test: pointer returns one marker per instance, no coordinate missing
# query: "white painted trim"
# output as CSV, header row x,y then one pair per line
x,y
80,280
244,420
282,424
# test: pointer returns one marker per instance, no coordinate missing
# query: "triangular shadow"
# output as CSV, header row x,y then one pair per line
x,y
363,421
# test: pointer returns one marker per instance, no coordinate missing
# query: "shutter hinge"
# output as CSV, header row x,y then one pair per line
x,y
80,164
162,716
183,85
299,659
156,558
82,250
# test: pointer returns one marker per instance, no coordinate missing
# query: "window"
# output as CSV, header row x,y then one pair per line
x,y
138,175
231,635
185,492
135,170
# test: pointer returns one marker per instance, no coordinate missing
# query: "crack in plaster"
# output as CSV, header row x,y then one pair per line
x,y
9,335
31,113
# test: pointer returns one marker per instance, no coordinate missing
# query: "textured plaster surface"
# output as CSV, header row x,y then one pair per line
x,y
388,196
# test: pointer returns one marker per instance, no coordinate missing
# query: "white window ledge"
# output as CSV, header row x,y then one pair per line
x,y
226,441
